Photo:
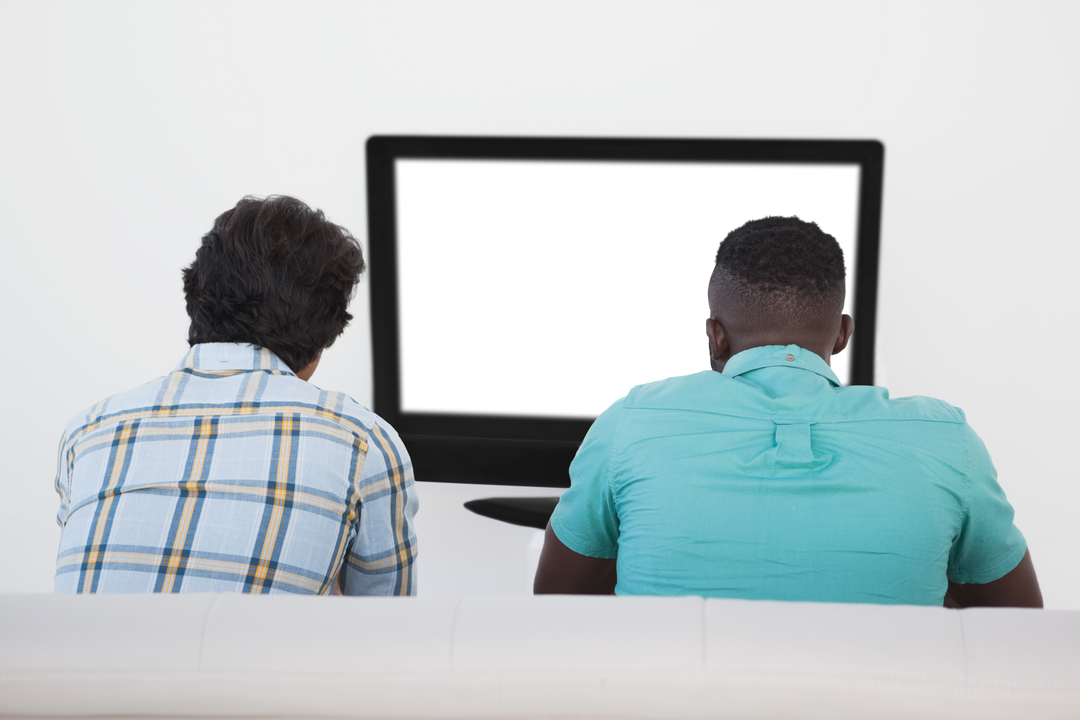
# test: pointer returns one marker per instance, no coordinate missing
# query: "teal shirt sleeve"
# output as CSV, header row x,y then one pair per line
x,y
585,519
989,545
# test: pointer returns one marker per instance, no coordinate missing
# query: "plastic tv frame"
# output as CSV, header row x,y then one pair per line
x,y
462,442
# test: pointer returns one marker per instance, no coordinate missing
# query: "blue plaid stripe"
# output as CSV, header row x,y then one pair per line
x,y
105,510
232,474
278,504
219,567
188,508
398,498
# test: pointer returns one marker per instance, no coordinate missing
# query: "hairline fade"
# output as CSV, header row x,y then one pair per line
x,y
780,271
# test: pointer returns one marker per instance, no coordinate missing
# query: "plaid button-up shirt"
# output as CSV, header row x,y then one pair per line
x,y
232,474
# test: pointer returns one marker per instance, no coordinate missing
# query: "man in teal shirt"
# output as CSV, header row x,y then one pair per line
x,y
766,479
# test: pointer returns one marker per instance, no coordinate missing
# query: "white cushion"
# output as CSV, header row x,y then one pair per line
x,y
1014,648
833,638
573,634
521,657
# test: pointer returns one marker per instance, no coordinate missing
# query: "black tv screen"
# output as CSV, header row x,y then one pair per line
x,y
519,286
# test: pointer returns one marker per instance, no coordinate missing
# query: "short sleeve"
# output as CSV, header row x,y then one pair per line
x,y
585,519
989,545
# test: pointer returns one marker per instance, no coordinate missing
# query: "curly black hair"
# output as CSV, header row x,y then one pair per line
x,y
274,273
782,268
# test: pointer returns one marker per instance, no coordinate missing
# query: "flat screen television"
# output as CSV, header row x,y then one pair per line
x,y
519,286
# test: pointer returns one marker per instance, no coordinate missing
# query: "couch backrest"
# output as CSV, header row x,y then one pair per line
x,y
529,657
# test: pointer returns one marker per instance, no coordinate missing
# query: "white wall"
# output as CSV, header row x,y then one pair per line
x,y
126,127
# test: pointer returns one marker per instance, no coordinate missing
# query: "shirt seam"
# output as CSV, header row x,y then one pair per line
x,y
146,413
966,509
610,475
796,418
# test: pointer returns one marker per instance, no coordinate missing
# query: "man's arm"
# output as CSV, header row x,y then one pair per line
x,y
380,559
565,572
1018,588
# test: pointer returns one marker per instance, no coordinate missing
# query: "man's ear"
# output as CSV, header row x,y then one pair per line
x,y
847,326
719,348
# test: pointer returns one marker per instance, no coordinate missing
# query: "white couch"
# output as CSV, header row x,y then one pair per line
x,y
529,657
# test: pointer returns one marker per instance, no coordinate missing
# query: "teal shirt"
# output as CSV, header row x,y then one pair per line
x,y
771,481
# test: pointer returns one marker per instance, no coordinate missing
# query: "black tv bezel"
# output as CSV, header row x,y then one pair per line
x,y
511,450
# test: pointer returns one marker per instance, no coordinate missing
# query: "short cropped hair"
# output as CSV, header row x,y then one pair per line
x,y
781,270
274,273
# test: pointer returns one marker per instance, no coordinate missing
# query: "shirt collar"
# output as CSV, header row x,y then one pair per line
x,y
779,356
227,358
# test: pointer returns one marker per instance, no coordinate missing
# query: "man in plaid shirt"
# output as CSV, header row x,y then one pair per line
x,y
233,473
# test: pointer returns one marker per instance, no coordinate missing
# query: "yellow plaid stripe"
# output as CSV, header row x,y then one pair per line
x,y
280,495
237,569
190,503
396,478
352,431
103,515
